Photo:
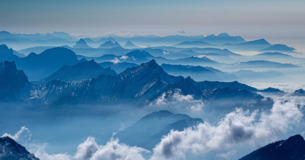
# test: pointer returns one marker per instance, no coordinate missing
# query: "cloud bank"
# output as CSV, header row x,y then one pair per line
x,y
235,128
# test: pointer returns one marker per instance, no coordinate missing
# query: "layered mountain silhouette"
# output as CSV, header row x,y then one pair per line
x,y
299,92
142,84
279,48
38,66
79,71
253,45
148,131
118,67
7,54
223,38
192,44
197,72
130,45
110,44
81,44
292,148
12,82
264,64
11,150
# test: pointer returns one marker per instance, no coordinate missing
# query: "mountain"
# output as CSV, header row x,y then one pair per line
x,y
79,71
194,60
81,44
148,131
110,44
37,66
106,58
299,92
12,82
279,48
192,44
273,91
262,42
139,56
130,45
292,148
197,72
144,84
273,55
48,38
11,150
253,45
223,38
7,54
118,67
264,64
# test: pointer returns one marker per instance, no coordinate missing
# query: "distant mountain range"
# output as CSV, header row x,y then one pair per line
x,y
141,84
81,44
279,48
11,150
148,131
264,64
79,71
110,44
291,149
130,45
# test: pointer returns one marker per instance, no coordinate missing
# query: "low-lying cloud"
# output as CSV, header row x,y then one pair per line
x,y
177,102
235,128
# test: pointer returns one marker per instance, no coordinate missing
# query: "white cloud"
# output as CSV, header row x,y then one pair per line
x,y
177,102
234,129
22,136
124,57
166,52
39,151
89,150
115,60
86,149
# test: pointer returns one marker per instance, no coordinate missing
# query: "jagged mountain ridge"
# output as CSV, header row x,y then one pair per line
x,y
292,148
11,150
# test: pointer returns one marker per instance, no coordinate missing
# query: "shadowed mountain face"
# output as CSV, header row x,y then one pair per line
x,y
129,44
223,38
37,66
197,72
279,48
142,84
12,82
291,149
6,54
299,92
110,44
11,150
148,131
81,44
80,71
192,44
265,64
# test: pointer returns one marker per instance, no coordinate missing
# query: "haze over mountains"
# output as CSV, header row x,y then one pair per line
x,y
151,91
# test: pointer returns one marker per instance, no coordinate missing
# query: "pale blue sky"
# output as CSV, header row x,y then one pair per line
x,y
250,18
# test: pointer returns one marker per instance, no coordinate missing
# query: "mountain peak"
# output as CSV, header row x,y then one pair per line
x,y
10,149
291,148
81,43
223,35
8,65
110,44
129,44
139,54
